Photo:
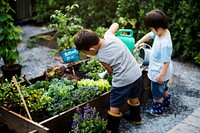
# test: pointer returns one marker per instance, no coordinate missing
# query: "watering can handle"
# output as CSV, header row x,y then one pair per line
x,y
120,31
145,45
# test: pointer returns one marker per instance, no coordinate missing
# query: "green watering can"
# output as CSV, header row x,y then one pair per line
x,y
126,35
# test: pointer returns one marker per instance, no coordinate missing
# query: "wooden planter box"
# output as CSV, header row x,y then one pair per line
x,y
61,123
146,88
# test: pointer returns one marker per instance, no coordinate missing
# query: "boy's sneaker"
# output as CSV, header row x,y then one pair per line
x,y
156,110
166,102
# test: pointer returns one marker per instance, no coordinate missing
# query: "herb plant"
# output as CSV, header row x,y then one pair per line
x,y
88,121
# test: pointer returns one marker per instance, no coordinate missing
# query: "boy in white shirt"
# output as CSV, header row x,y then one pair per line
x,y
160,63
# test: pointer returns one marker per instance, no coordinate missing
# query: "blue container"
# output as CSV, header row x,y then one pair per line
x,y
70,55
126,35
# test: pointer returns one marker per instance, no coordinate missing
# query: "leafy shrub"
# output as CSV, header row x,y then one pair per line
x,y
197,58
183,25
42,9
95,13
67,24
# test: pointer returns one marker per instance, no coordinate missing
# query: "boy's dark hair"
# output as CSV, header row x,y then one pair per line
x,y
156,19
85,38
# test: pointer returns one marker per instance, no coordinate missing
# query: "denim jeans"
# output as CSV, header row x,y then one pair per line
x,y
158,89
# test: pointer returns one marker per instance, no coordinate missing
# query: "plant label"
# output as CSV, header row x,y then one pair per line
x,y
70,55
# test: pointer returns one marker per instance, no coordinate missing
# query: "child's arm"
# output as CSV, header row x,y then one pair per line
x,y
114,27
145,38
160,77
107,67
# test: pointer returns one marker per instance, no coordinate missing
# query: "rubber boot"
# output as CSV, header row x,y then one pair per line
x,y
166,102
134,115
156,110
113,122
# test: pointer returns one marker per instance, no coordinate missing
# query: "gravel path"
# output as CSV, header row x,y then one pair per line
x,y
37,59
185,90
184,86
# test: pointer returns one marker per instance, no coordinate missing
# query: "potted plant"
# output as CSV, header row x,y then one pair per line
x,y
9,39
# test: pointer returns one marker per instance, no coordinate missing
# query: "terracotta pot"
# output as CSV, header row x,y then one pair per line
x,y
10,71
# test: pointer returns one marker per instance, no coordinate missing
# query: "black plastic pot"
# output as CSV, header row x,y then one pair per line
x,y
10,71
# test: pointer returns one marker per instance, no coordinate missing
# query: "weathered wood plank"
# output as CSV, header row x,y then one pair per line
x,y
20,124
61,123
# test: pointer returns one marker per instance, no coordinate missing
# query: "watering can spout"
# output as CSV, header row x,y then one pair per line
x,y
102,75
144,53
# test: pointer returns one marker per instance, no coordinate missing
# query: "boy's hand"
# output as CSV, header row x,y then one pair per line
x,y
160,79
59,59
137,45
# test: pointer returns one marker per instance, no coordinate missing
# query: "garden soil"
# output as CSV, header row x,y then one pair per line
x,y
184,86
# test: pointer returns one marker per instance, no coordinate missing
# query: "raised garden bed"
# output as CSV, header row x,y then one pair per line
x,y
61,122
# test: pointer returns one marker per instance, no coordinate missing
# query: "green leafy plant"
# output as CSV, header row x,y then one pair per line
x,y
9,96
197,58
51,97
92,68
66,24
9,35
88,121
103,84
100,31
32,42
42,9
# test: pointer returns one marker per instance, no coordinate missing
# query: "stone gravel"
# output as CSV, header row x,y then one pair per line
x,y
185,89
184,86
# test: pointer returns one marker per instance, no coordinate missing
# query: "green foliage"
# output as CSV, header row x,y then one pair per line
x,y
183,23
53,96
92,68
95,13
100,31
185,28
9,35
66,24
197,58
60,92
102,84
42,9
9,96
182,15
88,120
32,42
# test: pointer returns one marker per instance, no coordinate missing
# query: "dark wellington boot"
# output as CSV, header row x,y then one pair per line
x,y
166,102
113,122
134,115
